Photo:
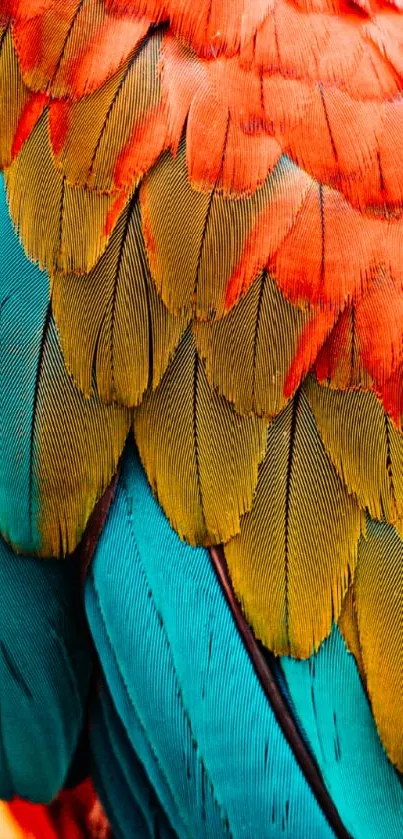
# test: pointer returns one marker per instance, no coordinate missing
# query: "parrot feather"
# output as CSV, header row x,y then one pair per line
x,y
45,209
378,598
141,741
330,704
59,450
339,362
45,669
14,96
248,352
126,776
244,163
91,135
72,55
348,626
194,239
113,323
201,457
364,446
297,548
199,672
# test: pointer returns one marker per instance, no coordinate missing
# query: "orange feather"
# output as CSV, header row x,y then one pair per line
x,y
28,119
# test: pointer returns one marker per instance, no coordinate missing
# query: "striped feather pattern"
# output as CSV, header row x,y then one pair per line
x,y
180,677
133,801
45,209
330,703
248,353
59,450
76,35
203,232
129,333
364,446
378,590
117,115
291,563
45,668
262,160
14,96
201,457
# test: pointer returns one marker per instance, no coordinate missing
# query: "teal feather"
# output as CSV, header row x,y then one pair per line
x,y
136,809
330,703
24,296
140,743
45,668
173,659
125,814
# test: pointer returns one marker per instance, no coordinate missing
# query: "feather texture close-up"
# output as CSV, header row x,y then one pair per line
x,y
201,419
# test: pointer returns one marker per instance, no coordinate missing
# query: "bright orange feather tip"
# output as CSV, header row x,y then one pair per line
x,y
29,117
74,57
378,319
206,25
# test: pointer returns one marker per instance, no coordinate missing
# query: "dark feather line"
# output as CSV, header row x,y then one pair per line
x,y
14,670
85,551
2,37
122,246
66,40
277,701
293,430
39,370
256,332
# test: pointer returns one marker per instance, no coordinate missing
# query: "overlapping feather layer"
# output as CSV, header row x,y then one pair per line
x,y
217,201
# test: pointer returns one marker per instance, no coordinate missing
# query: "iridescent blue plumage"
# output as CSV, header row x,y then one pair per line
x,y
183,685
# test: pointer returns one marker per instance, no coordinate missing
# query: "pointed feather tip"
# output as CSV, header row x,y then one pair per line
x,y
114,212
31,114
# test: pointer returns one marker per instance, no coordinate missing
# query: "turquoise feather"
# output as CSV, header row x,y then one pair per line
x,y
135,808
178,674
330,703
45,668
24,296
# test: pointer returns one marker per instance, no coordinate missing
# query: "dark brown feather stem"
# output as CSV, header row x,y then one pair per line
x,y
87,547
277,701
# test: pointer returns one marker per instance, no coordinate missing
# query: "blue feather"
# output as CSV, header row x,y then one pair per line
x,y
24,296
179,675
45,667
332,708
136,809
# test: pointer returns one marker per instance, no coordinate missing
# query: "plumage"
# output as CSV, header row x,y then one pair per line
x,y
124,776
378,590
45,669
59,450
198,703
248,353
364,446
116,114
130,335
14,96
44,208
330,703
215,193
204,232
297,548
201,457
